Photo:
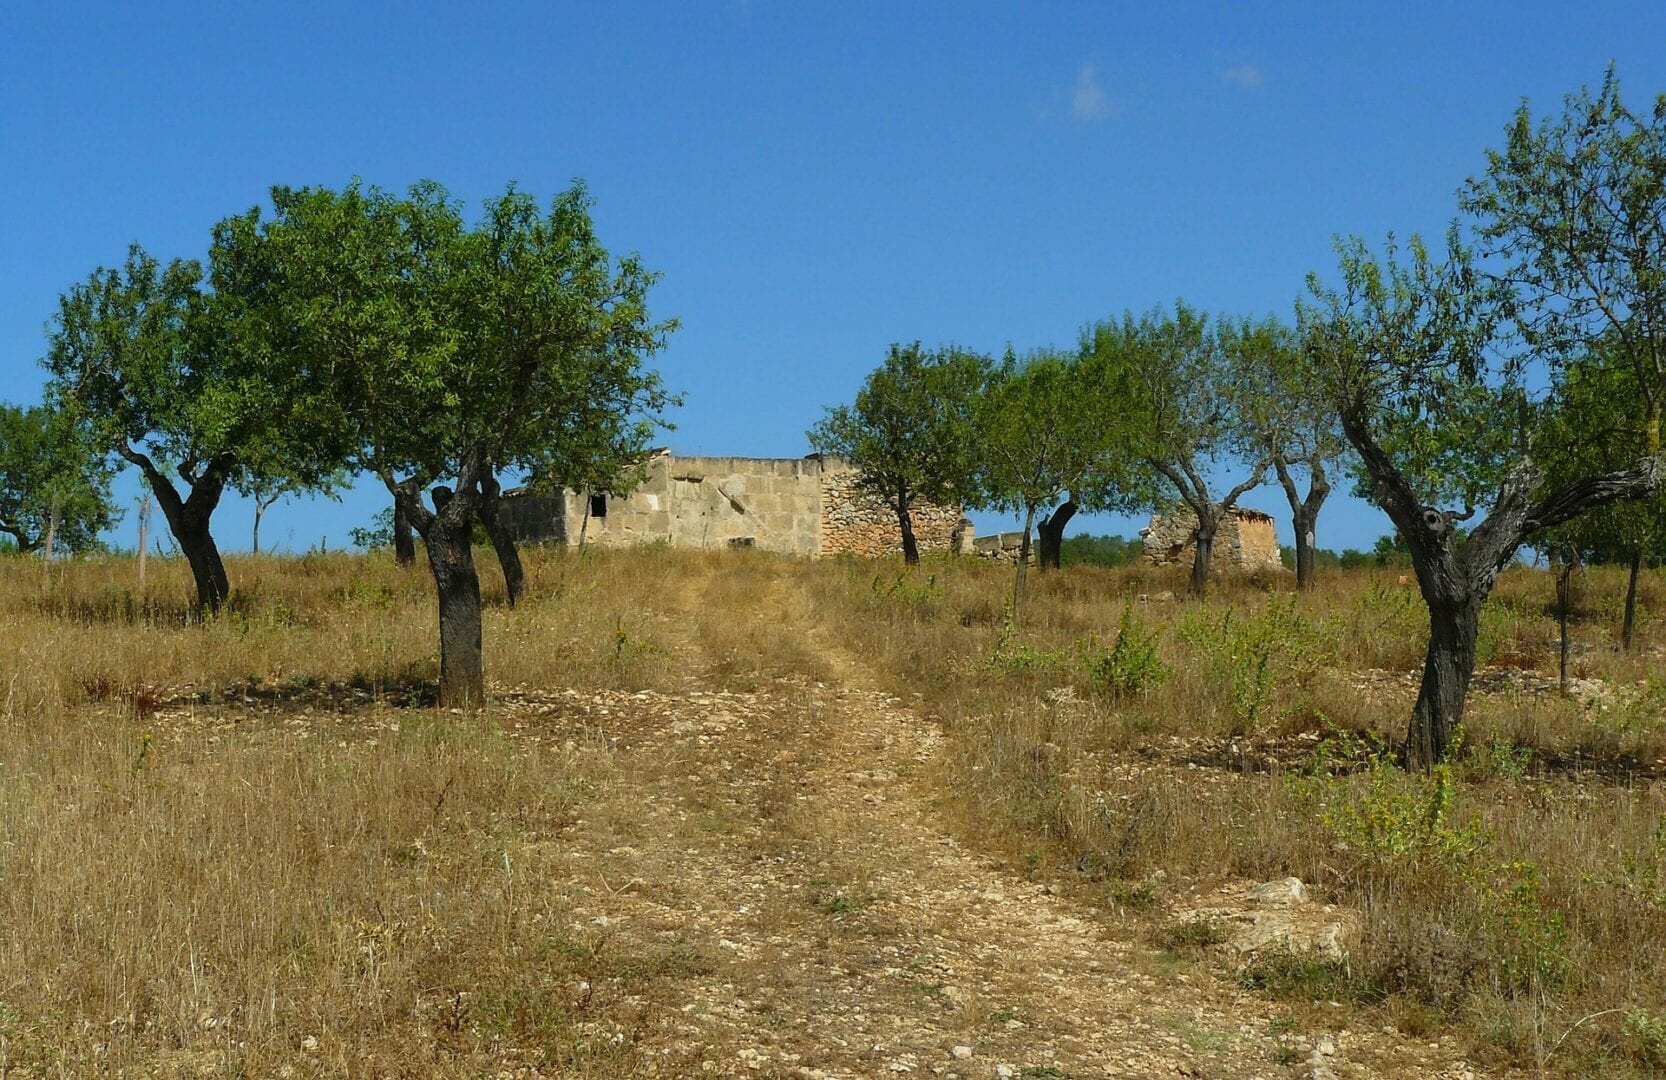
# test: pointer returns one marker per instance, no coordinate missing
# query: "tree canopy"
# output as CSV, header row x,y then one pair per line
x,y
910,430
1282,420
1176,395
446,353
166,369
54,479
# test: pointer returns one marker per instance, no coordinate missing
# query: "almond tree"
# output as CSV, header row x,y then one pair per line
x,y
157,361
54,481
1408,353
909,432
1181,408
1042,433
1283,422
1571,221
1598,426
451,352
1571,214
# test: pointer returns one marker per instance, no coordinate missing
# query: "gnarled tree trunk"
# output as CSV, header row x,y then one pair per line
x,y
404,546
508,556
1050,534
1449,664
1203,552
905,520
1303,526
1304,513
1628,627
202,554
188,519
1456,577
447,534
1194,493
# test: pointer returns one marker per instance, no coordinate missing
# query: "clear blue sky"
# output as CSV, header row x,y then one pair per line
x,y
814,181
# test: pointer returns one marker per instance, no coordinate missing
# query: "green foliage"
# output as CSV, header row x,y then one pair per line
x,y
1388,551
1401,824
376,535
1130,666
1177,401
910,428
1599,425
1105,551
1047,425
1589,268
1012,656
1645,1034
1401,347
442,350
908,589
1400,816
166,365
1173,382
51,466
1641,876
1248,657
1499,758
1643,710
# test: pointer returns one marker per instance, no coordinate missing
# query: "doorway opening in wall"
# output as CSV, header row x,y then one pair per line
x,y
598,506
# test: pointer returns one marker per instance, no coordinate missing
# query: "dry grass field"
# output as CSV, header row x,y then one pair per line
x,y
737,815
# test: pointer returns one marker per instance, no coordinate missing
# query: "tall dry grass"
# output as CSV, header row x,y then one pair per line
x,y
323,857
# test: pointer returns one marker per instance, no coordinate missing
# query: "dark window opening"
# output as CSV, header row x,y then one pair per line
x,y
598,506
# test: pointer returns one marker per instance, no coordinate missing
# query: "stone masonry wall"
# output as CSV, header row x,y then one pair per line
x,y
801,506
708,502
1246,541
857,522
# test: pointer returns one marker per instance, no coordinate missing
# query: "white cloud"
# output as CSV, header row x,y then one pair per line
x,y
1246,75
1089,103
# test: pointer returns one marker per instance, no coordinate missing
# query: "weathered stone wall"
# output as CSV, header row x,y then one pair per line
x,y
856,522
1246,541
801,506
1004,547
707,502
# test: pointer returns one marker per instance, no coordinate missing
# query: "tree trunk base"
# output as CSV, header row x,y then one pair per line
x,y
1447,669
1050,535
462,670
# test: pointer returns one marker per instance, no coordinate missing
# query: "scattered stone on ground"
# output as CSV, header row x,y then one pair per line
x,y
787,837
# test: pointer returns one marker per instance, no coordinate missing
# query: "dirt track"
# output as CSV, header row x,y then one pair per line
x,y
789,838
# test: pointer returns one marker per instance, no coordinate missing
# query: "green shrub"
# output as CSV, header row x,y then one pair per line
x,y
1130,666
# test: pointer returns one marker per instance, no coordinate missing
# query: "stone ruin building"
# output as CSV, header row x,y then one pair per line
x,y
1246,541
801,506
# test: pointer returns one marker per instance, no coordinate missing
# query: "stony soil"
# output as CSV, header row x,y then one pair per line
x,y
784,842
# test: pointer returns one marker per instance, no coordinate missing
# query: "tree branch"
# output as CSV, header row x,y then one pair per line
x,y
166,496
24,544
1281,469
1637,480
1253,482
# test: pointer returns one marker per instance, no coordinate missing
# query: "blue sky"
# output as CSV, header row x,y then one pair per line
x,y
813,181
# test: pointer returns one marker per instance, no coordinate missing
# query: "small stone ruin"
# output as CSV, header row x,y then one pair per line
x,y
1246,541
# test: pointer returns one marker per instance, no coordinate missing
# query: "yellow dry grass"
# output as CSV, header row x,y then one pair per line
x,y
250,846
